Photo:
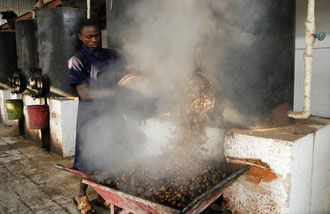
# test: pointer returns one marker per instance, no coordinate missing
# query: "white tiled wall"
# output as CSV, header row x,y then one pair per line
x,y
320,101
320,82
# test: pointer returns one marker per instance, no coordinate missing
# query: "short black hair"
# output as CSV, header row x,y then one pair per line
x,y
88,22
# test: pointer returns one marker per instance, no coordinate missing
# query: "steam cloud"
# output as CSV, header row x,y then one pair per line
x,y
168,40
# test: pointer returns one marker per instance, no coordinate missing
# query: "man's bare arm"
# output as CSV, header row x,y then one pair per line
x,y
86,93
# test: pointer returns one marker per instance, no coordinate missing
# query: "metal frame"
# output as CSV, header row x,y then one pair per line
x,y
133,204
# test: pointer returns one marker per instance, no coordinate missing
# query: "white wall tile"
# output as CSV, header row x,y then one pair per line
x,y
320,104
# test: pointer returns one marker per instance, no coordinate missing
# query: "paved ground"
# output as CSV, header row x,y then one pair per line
x,y
29,181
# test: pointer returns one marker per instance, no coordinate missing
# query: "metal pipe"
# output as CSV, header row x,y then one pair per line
x,y
88,9
111,2
74,171
19,9
235,161
308,59
60,92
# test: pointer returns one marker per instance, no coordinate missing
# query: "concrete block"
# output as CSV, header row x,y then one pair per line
x,y
297,157
62,123
39,137
320,191
17,124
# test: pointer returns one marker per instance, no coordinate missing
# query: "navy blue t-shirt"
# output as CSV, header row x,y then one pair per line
x,y
84,66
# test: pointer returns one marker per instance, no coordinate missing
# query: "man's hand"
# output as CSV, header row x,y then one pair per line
x,y
86,93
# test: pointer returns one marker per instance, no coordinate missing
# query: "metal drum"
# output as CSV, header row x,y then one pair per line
x,y
256,65
8,57
57,43
27,52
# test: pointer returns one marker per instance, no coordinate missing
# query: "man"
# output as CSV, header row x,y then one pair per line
x,y
95,100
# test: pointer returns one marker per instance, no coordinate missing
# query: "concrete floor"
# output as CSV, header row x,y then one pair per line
x,y
30,183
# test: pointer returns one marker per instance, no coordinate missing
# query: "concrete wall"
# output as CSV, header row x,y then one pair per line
x,y
321,63
253,195
301,170
320,192
310,174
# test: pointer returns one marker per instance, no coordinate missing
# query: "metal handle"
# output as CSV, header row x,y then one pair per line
x,y
73,171
59,166
320,35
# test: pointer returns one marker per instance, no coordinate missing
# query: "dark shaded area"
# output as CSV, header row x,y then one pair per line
x,y
27,45
27,52
8,61
257,76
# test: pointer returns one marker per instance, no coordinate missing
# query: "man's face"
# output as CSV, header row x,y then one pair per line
x,y
90,36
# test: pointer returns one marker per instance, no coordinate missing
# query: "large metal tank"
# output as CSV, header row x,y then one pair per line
x,y
256,64
8,57
27,45
27,52
252,59
57,43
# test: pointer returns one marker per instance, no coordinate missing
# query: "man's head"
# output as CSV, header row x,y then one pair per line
x,y
89,34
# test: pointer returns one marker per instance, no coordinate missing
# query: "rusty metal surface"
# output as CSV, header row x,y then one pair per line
x,y
129,202
74,171
208,197
138,205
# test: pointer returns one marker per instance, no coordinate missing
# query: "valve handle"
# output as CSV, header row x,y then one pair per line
x,y
320,35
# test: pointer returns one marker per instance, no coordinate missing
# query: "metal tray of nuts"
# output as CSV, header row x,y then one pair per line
x,y
144,201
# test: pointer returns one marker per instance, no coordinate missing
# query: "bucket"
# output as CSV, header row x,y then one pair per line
x,y
14,109
38,116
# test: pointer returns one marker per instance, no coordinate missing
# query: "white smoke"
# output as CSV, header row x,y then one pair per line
x,y
168,40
